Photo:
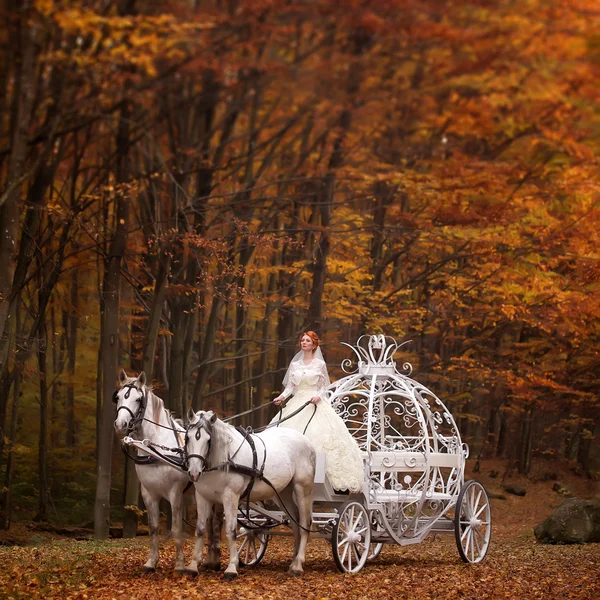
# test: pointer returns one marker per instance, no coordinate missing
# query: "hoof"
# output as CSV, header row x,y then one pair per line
x,y
294,573
191,572
229,576
146,569
179,572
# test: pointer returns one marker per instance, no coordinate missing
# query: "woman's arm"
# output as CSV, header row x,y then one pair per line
x,y
323,377
289,390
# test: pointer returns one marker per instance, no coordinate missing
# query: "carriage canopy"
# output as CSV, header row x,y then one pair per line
x,y
413,450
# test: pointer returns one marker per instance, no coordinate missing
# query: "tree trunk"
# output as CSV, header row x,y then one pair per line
x,y
71,333
524,445
6,497
58,348
110,358
22,42
177,357
240,351
323,206
208,351
264,354
286,326
151,337
585,444
110,342
383,193
42,514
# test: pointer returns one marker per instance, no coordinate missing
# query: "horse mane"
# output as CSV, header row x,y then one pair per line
x,y
156,406
221,436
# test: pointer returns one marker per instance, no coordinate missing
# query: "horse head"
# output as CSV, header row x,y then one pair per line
x,y
130,398
197,441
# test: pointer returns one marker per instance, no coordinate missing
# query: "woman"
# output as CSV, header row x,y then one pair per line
x,y
307,379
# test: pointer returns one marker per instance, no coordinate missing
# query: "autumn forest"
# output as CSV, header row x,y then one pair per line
x,y
186,186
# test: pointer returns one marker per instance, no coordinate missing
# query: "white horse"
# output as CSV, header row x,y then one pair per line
x,y
142,415
219,458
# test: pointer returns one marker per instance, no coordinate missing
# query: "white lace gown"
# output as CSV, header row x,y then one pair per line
x,y
322,426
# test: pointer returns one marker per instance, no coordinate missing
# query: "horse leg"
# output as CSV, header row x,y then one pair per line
x,y
214,525
176,501
203,508
152,505
303,497
288,506
230,510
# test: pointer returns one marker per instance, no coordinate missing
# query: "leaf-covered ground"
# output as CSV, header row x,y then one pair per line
x,y
515,567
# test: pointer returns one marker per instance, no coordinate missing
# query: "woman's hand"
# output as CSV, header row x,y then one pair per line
x,y
278,400
315,399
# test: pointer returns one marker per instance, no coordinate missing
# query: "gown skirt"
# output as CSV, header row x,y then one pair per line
x,y
328,434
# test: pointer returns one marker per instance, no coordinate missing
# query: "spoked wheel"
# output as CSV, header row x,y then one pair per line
x,y
374,550
351,537
375,547
251,546
472,522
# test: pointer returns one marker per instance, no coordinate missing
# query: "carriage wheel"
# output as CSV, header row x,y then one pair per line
x,y
375,547
374,550
472,522
251,546
351,536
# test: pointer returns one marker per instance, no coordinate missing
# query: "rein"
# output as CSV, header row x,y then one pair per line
x,y
247,412
277,423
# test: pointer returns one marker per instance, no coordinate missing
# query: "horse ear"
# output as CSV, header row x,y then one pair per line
x,y
191,415
122,377
213,417
142,378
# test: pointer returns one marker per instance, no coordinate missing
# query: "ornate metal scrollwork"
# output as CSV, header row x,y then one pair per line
x,y
389,460
388,412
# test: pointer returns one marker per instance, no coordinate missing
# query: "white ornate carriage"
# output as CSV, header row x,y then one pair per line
x,y
414,463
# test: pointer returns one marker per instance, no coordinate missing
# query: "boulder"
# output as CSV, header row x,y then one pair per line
x,y
575,521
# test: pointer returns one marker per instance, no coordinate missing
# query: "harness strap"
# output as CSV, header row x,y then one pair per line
x,y
138,460
252,472
248,490
138,417
149,447
243,470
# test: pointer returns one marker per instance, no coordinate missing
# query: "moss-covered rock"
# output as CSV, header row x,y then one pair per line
x,y
575,521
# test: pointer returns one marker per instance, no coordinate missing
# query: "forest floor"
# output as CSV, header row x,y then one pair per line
x,y
51,566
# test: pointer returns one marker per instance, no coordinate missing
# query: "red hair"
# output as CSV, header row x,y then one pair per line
x,y
313,336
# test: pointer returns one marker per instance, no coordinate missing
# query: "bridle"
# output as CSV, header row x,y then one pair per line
x,y
199,426
138,417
